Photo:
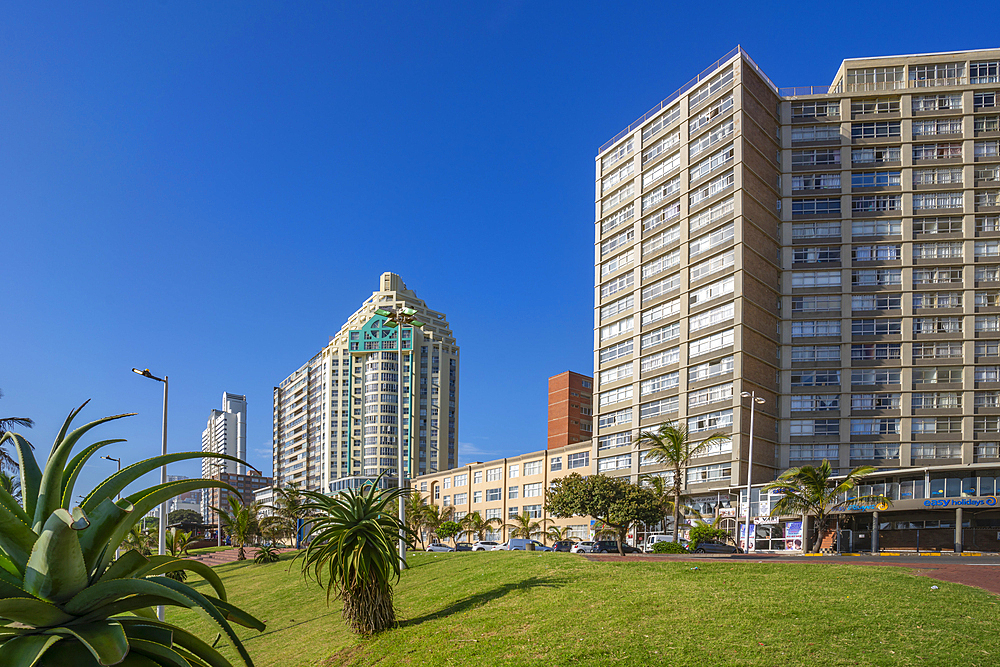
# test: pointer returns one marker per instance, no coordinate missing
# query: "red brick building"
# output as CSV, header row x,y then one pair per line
x,y
571,409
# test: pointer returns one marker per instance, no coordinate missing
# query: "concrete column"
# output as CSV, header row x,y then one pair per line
x,y
958,530
875,547
805,534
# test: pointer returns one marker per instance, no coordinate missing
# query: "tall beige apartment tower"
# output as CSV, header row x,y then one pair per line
x,y
336,418
835,249
687,277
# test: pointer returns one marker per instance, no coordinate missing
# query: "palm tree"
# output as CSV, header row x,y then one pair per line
x,y
283,522
11,484
434,516
177,542
416,513
809,490
240,522
558,533
671,444
6,423
474,523
138,540
353,538
523,526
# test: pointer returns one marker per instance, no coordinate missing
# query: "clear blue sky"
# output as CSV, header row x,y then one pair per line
x,y
210,189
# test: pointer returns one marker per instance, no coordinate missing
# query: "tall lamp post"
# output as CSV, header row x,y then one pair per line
x,y
160,612
398,318
754,401
119,462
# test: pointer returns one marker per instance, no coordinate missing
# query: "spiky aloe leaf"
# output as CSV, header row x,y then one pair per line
x,y
125,565
56,570
164,564
135,604
50,489
159,653
74,467
181,638
104,520
118,481
105,592
236,615
36,613
10,503
26,650
16,540
31,476
105,640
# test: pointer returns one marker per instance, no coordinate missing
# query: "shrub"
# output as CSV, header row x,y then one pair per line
x,y
669,548
705,533
266,554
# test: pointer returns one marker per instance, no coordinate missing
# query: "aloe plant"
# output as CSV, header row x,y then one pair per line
x,y
66,599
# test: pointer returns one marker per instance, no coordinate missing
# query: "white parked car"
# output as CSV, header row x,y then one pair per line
x,y
484,545
581,547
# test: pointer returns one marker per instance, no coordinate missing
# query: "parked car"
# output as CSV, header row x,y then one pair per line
x,y
581,547
463,546
611,546
484,545
437,546
520,544
712,547
563,545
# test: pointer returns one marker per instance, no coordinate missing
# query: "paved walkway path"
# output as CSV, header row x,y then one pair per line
x,y
979,571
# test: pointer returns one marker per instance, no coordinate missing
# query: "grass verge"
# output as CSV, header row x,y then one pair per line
x,y
522,608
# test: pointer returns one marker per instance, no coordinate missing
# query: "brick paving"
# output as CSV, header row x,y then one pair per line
x,y
981,572
228,556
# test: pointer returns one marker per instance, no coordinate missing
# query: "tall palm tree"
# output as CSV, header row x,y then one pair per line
x,y
353,538
434,516
809,490
11,483
474,523
523,526
671,444
6,423
416,513
240,522
558,533
283,521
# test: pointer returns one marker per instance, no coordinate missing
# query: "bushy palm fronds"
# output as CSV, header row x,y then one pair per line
x,y
283,521
66,599
7,461
523,526
558,533
352,553
416,514
810,490
139,540
240,523
434,516
11,483
671,444
474,523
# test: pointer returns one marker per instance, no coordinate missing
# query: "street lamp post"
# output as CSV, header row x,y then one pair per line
x,y
397,318
160,612
754,400
119,462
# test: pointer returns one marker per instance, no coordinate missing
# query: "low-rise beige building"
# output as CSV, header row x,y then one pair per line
x,y
510,486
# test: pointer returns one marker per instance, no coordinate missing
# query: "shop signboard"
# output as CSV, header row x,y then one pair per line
x,y
727,512
793,536
743,537
979,502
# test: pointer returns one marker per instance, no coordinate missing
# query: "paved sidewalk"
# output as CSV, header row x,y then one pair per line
x,y
229,555
981,571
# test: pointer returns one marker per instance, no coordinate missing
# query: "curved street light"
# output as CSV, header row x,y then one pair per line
x,y
163,471
754,401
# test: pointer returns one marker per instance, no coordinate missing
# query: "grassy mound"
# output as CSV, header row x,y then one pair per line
x,y
523,608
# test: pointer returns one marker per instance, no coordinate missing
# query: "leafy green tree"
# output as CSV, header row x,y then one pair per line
x,y
66,598
240,523
474,523
810,490
523,526
6,424
671,444
352,548
613,500
448,529
183,516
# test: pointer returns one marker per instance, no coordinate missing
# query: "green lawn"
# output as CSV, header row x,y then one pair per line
x,y
522,608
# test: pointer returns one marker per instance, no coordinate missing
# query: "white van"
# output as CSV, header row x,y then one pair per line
x,y
647,546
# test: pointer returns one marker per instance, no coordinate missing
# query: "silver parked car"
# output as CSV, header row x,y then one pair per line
x,y
581,547
521,544
439,547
